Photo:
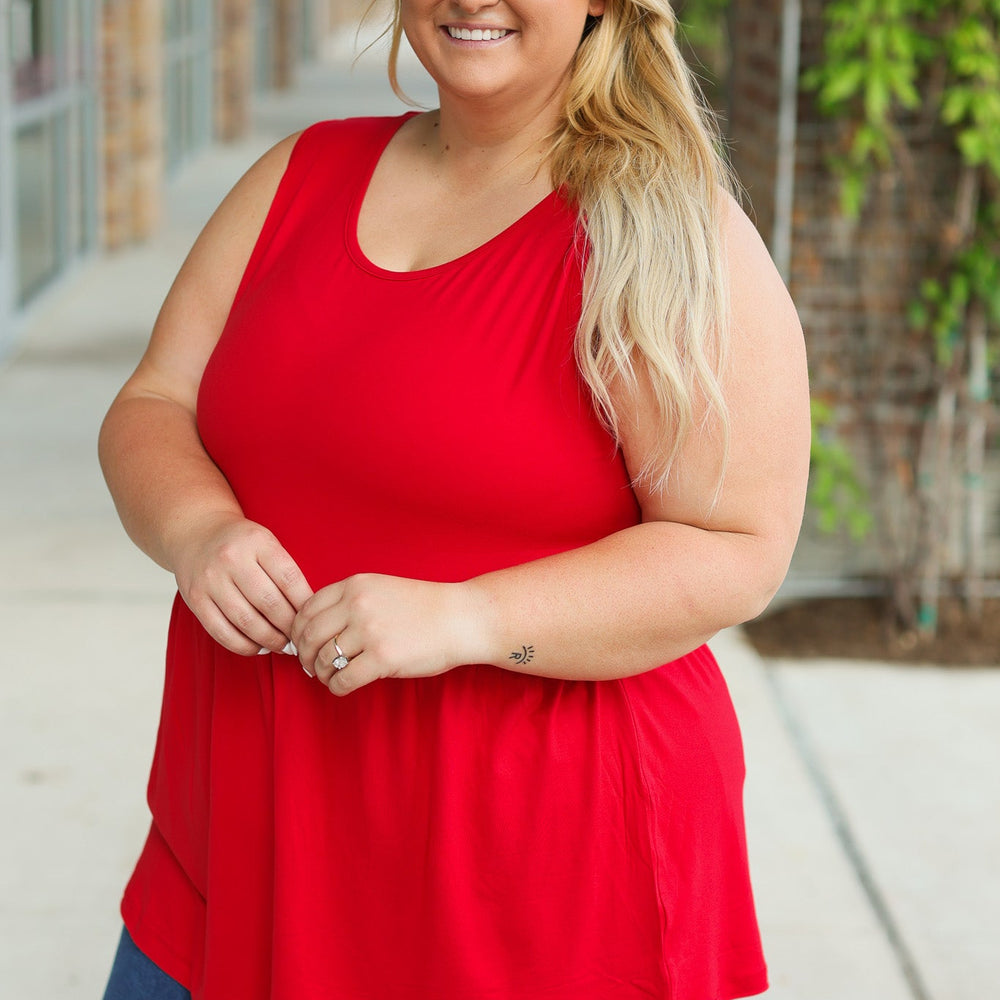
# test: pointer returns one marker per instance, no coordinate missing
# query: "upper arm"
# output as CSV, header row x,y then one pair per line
x,y
765,387
194,312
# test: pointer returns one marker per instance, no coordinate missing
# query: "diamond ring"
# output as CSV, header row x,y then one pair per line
x,y
341,660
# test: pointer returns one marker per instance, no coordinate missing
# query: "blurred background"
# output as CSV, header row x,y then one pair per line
x,y
101,102
866,137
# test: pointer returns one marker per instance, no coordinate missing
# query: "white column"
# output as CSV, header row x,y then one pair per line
x,y
7,207
788,105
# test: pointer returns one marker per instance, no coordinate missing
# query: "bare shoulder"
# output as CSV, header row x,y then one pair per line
x,y
237,222
765,338
195,309
753,277
765,387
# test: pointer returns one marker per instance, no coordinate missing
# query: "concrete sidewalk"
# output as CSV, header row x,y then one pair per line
x,y
873,799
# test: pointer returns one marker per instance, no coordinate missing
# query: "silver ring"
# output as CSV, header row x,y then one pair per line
x,y
341,660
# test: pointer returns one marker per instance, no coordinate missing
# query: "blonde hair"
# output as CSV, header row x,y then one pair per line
x,y
639,153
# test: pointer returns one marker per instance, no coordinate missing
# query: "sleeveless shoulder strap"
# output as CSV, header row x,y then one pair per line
x,y
326,165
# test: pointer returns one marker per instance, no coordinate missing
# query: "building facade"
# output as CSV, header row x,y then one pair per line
x,y
852,281
48,144
101,100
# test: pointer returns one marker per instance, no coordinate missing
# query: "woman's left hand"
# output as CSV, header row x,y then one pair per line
x,y
386,626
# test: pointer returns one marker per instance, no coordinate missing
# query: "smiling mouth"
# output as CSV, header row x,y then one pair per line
x,y
477,34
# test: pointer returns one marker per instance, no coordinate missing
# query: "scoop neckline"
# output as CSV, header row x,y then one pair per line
x,y
362,260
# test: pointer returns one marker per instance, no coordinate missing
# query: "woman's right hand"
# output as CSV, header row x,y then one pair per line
x,y
173,500
240,583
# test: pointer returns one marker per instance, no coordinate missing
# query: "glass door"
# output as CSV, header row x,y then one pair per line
x,y
51,147
264,36
187,28
6,188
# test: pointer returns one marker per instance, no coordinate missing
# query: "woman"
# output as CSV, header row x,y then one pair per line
x,y
491,416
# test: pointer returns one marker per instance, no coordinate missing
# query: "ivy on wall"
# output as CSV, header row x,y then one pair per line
x,y
886,64
884,61
836,493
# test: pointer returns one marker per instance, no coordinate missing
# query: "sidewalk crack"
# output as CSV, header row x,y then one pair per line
x,y
845,836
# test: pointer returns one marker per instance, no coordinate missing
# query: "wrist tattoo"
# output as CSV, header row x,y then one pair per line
x,y
523,655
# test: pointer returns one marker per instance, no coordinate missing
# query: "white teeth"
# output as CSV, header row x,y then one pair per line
x,y
477,34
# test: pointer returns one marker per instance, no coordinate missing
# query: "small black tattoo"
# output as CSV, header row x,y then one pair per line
x,y
523,655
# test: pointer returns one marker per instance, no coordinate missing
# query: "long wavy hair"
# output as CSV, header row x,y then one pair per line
x,y
640,154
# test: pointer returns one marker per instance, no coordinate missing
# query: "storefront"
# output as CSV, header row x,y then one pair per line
x,y
289,32
48,140
187,84
101,100
6,191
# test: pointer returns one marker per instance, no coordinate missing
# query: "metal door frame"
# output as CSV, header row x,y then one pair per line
x,y
7,206
69,97
193,49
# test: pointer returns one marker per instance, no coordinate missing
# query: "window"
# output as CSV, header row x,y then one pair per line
x,y
51,137
37,225
33,47
188,78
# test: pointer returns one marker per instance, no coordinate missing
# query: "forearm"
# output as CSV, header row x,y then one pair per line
x,y
161,478
622,605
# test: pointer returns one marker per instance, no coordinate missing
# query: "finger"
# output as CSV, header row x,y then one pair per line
x,y
222,630
262,594
248,620
327,656
359,672
321,617
286,575
324,599
312,639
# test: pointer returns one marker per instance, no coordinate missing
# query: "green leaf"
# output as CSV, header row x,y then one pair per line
x,y
931,290
972,146
877,97
959,291
955,105
853,188
842,82
917,315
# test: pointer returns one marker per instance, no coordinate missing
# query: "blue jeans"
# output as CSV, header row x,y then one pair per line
x,y
135,977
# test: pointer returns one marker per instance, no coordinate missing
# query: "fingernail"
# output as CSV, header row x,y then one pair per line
x,y
287,650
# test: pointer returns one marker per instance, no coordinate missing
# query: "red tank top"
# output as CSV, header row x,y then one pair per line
x,y
482,834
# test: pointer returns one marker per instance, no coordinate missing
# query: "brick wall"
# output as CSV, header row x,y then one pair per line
x,y
146,114
285,43
851,279
116,153
132,98
753,116
131,46
234,61
132,72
